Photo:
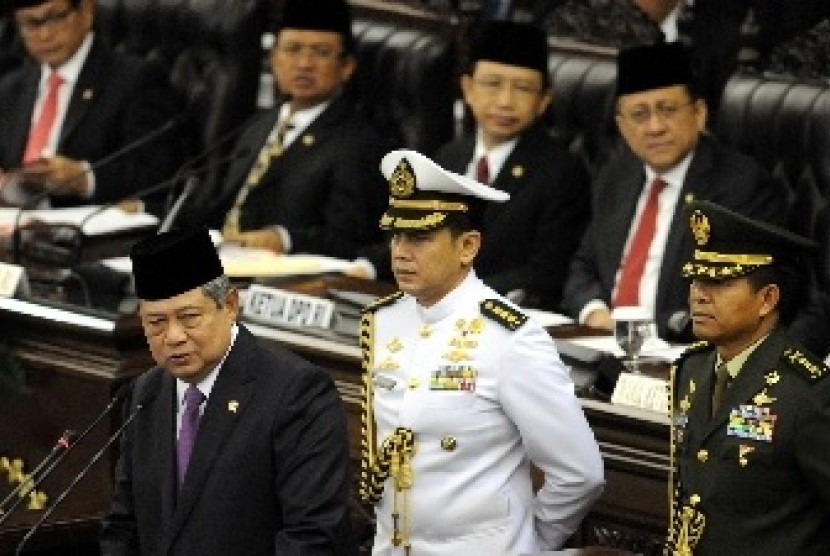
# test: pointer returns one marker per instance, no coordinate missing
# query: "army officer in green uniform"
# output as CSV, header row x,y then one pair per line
x,y
751,408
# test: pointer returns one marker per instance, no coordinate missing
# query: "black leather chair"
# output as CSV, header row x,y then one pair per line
x,y
212,49
785,125
405,82
582,112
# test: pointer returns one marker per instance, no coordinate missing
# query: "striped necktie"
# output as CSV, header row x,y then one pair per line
x,y
272,148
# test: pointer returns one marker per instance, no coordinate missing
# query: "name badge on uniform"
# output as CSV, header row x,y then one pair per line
x,y
453,377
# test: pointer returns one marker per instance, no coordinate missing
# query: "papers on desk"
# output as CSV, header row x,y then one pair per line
x,y
546,318
245,262
653,348
93,219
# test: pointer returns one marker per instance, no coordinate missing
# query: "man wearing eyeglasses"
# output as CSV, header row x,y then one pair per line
x,y
72,104
635,244
535,233
305,178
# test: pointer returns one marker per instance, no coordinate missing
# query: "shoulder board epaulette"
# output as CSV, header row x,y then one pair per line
x,y
502,313
696,347
382,302
806,365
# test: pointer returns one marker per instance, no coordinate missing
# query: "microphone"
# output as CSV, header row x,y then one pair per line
x,y
679,325
59,452
192,180
97,165
82,473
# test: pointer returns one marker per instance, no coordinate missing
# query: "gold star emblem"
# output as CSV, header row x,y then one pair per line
x,y
425,331
233,406
394,345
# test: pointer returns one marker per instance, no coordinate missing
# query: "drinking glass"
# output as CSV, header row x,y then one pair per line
x,y
632,327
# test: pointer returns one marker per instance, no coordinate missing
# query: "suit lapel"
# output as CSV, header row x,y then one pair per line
x,y
701,372
628,189
695,186
228,400
90,84
513,173
165,416
19,133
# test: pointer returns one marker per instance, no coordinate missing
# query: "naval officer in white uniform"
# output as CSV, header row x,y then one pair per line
x,y
463,391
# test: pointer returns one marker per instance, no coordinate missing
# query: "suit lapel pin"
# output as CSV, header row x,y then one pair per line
x,y
689,197
517,171
87,94
233,405
308,139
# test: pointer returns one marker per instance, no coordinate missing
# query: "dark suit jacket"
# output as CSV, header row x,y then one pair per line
x,y
758,496
530,239
716,173
268,474
326,188
116,100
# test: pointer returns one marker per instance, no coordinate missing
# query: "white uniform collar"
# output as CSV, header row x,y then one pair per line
x,y
451,301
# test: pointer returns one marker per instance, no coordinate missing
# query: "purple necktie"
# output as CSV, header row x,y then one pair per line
x,y
193,398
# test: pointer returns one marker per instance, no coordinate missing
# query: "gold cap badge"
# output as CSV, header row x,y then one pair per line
x,y
700,227
402,180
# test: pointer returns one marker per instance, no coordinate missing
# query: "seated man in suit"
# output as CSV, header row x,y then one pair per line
x,y
635,244
534,235
73,104
306,177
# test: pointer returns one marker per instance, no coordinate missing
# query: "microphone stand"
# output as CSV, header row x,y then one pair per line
x,y
36,481
49,511
187,191
66,440
98,164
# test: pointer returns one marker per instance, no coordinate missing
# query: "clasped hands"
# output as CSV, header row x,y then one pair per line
x,y
57,175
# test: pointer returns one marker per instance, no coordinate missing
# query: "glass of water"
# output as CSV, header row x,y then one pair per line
x,y
632,327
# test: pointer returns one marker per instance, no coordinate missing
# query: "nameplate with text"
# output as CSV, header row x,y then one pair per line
x,y
641,391
280,308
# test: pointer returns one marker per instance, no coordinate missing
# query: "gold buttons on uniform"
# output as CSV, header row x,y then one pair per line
x,y
413,382
703,456
449,443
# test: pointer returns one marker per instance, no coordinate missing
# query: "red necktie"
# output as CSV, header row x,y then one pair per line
x,y
628,289
483,171
39,135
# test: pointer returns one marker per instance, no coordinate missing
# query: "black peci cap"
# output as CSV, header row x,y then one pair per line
x,y
514,44
642,68
319,15
172,263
